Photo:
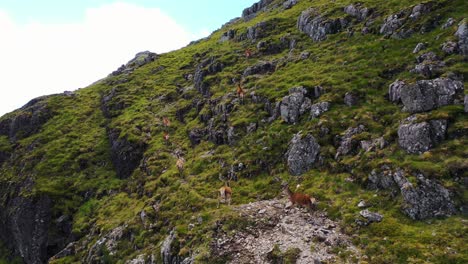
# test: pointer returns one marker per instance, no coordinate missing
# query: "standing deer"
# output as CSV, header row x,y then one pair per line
x,y
180,165
225,194
248,53
299,198
166,122
166,137
240,93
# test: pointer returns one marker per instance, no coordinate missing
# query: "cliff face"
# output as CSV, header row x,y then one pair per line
x,y
361,105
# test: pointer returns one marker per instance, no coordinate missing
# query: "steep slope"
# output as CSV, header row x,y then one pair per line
x,y
362,104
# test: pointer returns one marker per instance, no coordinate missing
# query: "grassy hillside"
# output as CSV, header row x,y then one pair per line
x,y
69,158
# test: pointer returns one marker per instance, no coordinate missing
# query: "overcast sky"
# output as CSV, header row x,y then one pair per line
x,y
50,46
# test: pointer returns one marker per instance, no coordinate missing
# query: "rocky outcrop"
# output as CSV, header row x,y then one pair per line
x,y
348,144
196,135
206,67
401,24
392,23
263,67
420,46
394,91
370,217
316,110
288,4
126,155
294,105
317,27
228,35
109,242
302,154
450,47
24,223
169,253
377,143
260,30
429,65
426,95
252,11
357,11
416,138
351,99
141,58
27,120
427,199
462,34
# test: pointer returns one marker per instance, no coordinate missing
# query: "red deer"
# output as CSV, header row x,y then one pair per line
x,y
180,165
240,92
166,137
248,53
299,198
166,122
225,194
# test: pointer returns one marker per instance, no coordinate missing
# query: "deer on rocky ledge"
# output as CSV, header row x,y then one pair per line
x,y
299,198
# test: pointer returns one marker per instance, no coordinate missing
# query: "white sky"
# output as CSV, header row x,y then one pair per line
x,y
39,59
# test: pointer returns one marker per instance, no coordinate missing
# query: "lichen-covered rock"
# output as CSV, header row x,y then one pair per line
x,y
427,199
318,27
371,216
302,154
429,65
416,138
168,255
462,34
348,144
252,11
426,95
392,23
289,4
294,105
318,109
420,46
126,155
107,242
394,91
351,99
378,143
450,47
381,179
420,9
262,67
358,11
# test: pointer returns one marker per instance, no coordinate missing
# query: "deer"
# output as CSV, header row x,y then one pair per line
x,y
166,122
299,198
166,137
240,92
225,194
180,165
248,53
